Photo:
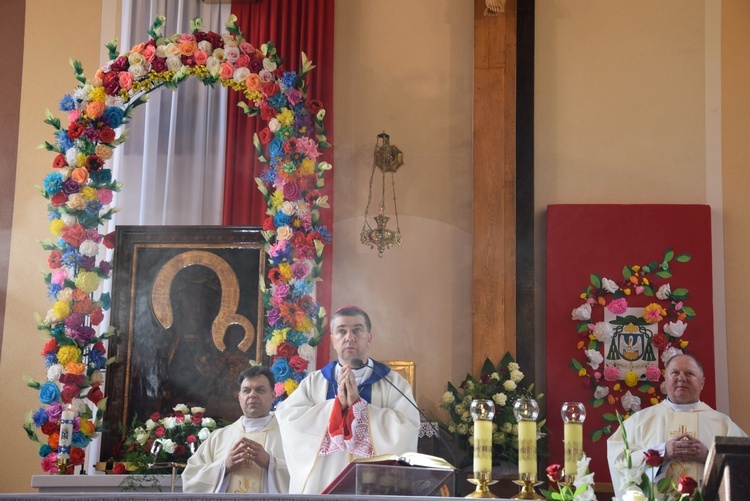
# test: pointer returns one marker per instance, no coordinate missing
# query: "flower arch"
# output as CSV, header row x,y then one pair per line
x,y
79,192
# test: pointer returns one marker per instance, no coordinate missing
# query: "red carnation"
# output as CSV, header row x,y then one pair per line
x,y
49,427
50,347
652,458
268,224
59,161
265,135
554,472
687,485
76,455
75,130
96,317
69,392
55,259
74,235
59,199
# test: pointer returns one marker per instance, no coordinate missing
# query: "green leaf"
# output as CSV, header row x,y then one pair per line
x,y
608,417
596,281
627,272
487,367
681,293
644,388
28,426
597,402
583,327
31,383
683,258
648,290
687,310
112,49
593,344
52,120
664,485
576,365
78,70
156,27
668,255
663,274
596,436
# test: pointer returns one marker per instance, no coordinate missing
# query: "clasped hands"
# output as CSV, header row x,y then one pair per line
x,y
247,450
347,391
685,447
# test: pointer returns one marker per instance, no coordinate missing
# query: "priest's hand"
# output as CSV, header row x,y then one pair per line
x,y
686,447
246,450
347,392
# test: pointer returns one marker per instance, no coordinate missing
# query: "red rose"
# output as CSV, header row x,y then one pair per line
x,y
55,259
554,472
76,455
97,316
155,416
268,224
106,134
315,106
72,379
118,469
286,350
111,83
99,346
59,161
59,199
243,61
95,394
269,89
160,431
659,341
652,458
109,240
75,130
298,363
196,419
191,439
50,347
69,392
687,485
74,235
49,428
265,135
485,378
179,450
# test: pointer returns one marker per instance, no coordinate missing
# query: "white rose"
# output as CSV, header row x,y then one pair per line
x,y
161,51
471,439
97,377
169,422
150,424
207,422
284,232
203,434
271,349
664,292
76,202
205,46
240,74
197,410
287,207
141,436
500,399
65,295
89,248
509,385
495,376
633,495
601,392
174,64
609,285
669,353
181,408
630,402
79,406
451,427
269,65
513,366
266,76
168,445
448,398
583,312
68,219
273,125
136,58
603,332
50,318
306,351
54,372
516,376
231,53
172,50
466,417
462,429
139,71
595,358
460,408
213,65
675,329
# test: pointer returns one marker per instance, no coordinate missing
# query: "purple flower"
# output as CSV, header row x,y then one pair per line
x,y
74,320
91,134
54,412
82,335
93,234
273,316
300,270
69,187
104,266
281,290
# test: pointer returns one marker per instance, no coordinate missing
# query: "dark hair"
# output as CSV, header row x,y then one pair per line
x,y
255,371
352,311
698,362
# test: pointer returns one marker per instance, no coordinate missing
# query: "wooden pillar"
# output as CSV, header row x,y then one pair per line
x,y
494,185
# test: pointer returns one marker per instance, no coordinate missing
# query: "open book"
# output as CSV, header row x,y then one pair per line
x,y
408,459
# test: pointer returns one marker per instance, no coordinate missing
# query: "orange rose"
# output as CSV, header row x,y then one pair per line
x,y
253,82
75,368
188,47
95,109
200,57
80,175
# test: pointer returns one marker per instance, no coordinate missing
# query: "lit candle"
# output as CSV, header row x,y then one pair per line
x,y
526,410
482,411
573,414
66,432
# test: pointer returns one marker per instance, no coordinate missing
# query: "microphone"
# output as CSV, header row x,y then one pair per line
x,y
357,363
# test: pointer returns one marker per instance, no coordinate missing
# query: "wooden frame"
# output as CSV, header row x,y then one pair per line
x,y
189,316
406,370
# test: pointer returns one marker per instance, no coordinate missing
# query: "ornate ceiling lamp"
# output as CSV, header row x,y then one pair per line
x,y
388,158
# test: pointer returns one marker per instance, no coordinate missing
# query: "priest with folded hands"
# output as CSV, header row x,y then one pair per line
x,y
345,410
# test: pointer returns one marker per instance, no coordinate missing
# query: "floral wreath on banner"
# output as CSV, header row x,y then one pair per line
x,y
609,385
79,191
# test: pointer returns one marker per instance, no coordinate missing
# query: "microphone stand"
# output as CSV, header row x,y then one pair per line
x,y
357,363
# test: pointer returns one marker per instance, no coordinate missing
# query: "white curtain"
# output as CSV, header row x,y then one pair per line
x,y
172,165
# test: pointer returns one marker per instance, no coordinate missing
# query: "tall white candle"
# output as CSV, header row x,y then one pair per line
x,y
66,433
527,450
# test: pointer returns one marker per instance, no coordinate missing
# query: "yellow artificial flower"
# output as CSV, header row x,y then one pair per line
x,y
87,427
88,193
98,94
626,291
290,385
683,344
75,368
654,401
68,353
582,372
276,199
81,158
87,281
653,313
285,117
645,281
616,387
636,268
285,270
304,325
279,336
61,309
307,167
631,379
583,295
56,226
592,337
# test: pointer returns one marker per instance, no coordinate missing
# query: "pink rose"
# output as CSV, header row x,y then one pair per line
x,y
126,80
160,431
611,373
278,389
104,195
618,306
200,57
227,70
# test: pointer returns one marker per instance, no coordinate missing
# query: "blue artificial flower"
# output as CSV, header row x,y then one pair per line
x,y
106,300
53,183
67,103
49,392
302,288
69,257
58,330
295,337
50,359
299,376
93,206
96,360
80,440
278,101
40,416
113,116
325,234
275,147
289,78
45,450
280,219
103,176
281,370
268,176
52,215
63,139
52,290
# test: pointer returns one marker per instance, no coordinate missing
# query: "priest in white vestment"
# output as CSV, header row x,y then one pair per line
x,y
246,456
681,428
340,412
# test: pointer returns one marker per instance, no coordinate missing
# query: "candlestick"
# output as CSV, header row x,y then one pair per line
x,y
573,414
66,437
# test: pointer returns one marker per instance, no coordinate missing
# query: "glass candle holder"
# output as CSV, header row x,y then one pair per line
x,y
526,412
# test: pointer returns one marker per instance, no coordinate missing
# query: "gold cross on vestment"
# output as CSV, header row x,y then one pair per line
x,y
680,431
